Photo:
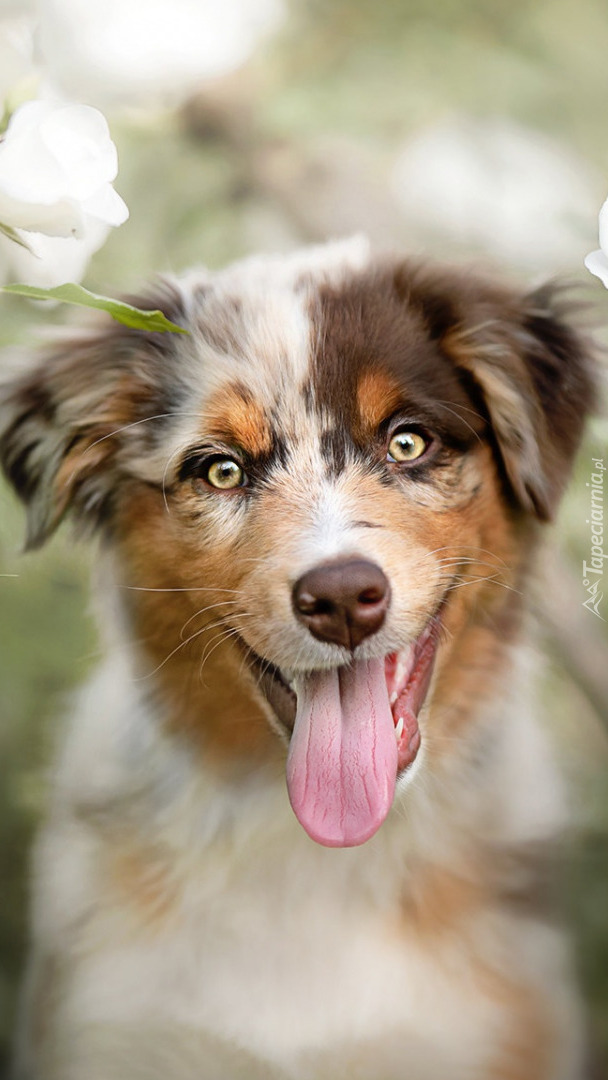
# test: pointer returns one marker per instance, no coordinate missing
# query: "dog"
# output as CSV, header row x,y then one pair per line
x,y
304,815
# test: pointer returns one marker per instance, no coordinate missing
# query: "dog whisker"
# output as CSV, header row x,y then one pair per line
x,y
464,547
179,589
127,427
446,564
479,580
182,644
219,639
179,450
469,561
264,561
464,408
212,607
462,420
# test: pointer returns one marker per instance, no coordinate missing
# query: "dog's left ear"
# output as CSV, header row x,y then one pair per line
x,y
536,377
72,425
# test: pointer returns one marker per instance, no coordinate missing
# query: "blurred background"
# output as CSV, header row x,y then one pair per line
x,y
463,129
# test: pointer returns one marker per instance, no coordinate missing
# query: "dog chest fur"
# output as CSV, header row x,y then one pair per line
x,y
189,908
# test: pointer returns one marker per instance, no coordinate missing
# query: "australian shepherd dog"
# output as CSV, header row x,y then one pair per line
x,y
302,816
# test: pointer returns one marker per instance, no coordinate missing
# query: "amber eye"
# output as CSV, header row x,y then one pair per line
x,y
407,446
225,474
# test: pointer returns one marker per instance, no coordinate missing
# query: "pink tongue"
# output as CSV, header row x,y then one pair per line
x,y
342,763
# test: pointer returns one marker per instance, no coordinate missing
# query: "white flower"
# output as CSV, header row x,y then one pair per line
x,y
52,260
57,164
597,261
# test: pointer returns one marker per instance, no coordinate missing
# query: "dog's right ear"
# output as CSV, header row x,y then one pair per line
x,y
65,422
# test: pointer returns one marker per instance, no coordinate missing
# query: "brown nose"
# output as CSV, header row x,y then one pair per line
x,y
342,602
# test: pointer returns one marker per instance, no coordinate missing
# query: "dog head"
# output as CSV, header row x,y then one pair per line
x,y
321,501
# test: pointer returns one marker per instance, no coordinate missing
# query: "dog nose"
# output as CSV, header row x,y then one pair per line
x,y
342,602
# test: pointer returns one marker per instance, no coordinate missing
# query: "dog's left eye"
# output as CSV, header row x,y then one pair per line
x,y
407,446
225,474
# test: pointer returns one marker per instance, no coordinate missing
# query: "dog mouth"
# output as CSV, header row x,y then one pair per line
x,y
353,731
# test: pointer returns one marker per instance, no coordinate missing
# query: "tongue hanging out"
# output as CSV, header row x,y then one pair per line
x,y
355,728
342,763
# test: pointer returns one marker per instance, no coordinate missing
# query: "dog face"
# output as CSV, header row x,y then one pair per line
x,y
320,503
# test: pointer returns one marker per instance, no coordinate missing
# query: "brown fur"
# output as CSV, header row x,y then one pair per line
x,y
234,416
378,396
196,673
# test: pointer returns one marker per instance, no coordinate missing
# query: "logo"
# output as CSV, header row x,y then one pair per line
x,y
593,570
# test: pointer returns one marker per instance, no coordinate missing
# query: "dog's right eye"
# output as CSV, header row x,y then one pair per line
x,y
224,474
214,469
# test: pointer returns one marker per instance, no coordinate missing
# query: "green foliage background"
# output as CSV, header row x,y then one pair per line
x,y
220,179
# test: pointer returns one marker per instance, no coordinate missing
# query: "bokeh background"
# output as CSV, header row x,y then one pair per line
x,y
464,129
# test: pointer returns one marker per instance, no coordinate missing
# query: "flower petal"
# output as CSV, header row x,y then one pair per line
x,y
29,171
79,138
56,260
597,263
63,217
106,205
604,227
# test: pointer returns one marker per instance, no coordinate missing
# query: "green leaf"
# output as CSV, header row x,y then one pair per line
x,y
12,234
136,318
